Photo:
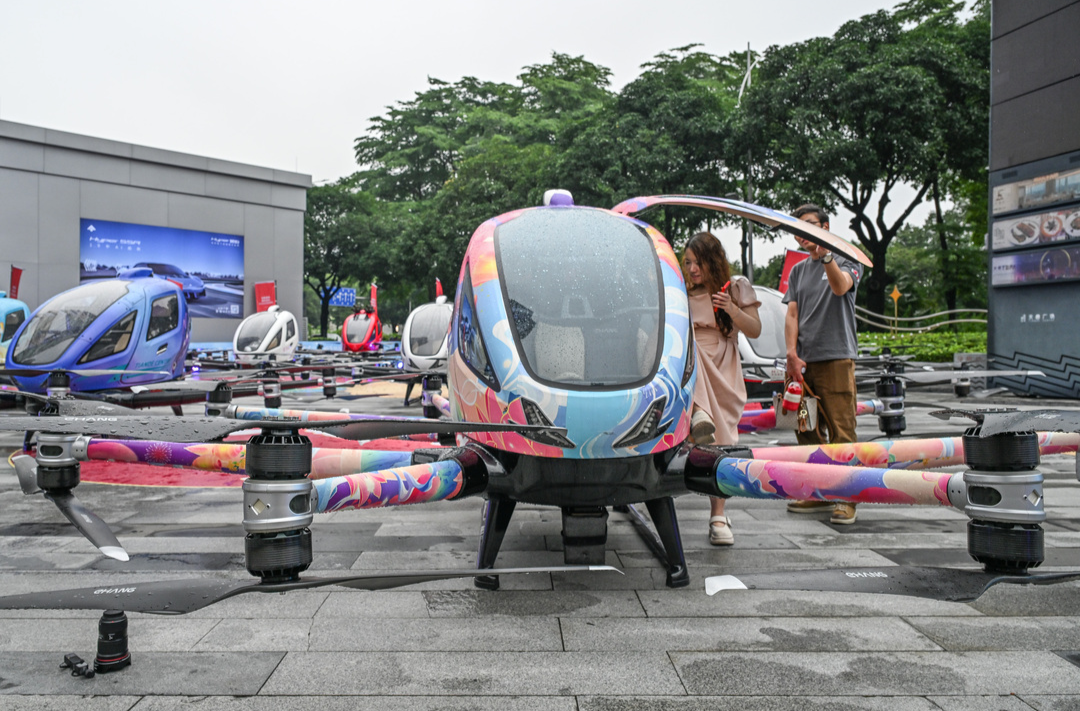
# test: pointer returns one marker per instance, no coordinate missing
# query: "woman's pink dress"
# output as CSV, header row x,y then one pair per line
x,y
720,389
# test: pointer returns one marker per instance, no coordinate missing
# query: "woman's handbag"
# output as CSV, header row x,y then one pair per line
x,y
804,418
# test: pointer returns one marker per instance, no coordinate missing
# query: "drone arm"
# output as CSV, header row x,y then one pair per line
x,y
230,457
459,473
764,419
441,403
762,479
415,484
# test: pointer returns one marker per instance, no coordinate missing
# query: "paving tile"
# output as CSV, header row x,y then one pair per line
x,y
876,673
1063,702
355,703
878,540
522,603
980,703
1000,633
759,634
146,633
186,673
379,604
754,703
737,561
68,703
256,635
474,673
493,634
794,603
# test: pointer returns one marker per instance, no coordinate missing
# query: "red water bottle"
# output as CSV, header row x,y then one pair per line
x,y
792,396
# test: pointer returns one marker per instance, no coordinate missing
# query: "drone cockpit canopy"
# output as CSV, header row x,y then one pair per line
x,y
118,324
271,332
576,317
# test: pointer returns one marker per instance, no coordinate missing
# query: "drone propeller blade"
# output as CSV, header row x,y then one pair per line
x,y
940,376
177,597
1039,420
88,523
172,429
26,470
85,408
947,584
397,426
89,372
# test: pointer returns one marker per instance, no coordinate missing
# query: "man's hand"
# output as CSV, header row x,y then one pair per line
x,y
795,367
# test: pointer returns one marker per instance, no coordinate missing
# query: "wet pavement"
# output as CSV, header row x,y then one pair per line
x,y
567,641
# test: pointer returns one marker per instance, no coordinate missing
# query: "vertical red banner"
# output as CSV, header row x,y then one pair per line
x,y
16,277
792,258
265,295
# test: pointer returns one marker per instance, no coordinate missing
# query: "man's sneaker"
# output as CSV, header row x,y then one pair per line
x,y
702,428
720,531
810,506
843,514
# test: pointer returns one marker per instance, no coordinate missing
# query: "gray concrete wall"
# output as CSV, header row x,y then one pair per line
x,y
50,179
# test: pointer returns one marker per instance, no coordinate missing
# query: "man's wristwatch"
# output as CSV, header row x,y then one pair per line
x,y
827,258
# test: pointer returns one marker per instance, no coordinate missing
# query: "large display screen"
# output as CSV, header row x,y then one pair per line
x,y
1036,266
1037,192
1029,230
208,266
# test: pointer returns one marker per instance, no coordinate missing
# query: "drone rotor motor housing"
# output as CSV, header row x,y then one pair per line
x,y
1004,499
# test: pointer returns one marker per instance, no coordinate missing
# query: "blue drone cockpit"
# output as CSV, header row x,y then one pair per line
x,y
575,317
111,324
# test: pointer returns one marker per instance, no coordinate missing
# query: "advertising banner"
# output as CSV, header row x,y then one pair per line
x,y
16,277
1036,266
208,266
1045,190
1029,230
791,258
265,295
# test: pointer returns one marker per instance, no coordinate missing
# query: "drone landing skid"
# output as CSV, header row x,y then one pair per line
x,y
665,542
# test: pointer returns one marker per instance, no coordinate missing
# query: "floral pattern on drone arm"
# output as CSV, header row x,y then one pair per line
x,y
417,484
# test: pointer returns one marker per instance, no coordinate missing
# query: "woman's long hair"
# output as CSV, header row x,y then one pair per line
x,y
715,271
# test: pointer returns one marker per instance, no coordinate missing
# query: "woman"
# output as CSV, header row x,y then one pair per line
x,y
720,307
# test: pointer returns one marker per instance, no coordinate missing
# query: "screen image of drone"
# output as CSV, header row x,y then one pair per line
x,y
565,390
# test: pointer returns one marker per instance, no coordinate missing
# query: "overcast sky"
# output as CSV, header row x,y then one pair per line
x,y
290,85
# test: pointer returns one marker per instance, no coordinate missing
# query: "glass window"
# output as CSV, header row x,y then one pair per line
x,y
115,340
585,296
275,341
470,340
59,322
291,326
164,316
770,342
12,322
428,328
357,327
253,330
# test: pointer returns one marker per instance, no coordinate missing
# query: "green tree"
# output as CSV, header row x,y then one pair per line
x,y
890,99
349,238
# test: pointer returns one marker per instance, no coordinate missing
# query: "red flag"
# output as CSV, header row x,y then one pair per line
x,y
792,258
265,295
438,287
16,277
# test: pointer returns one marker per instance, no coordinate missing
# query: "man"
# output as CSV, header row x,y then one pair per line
x,y
820,335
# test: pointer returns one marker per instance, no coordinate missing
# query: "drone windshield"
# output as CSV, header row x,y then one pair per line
x,y
59,322
430,323
770,342
357,327
254,330
583,289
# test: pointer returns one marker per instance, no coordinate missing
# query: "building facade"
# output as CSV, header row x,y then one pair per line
x,y
56,186
1034,240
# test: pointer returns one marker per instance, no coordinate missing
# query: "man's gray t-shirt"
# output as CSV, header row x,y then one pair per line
x,y
826,321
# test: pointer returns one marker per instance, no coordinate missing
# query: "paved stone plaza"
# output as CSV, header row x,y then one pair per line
x,y
551,642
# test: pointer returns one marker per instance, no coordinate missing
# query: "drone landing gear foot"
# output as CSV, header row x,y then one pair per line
x,y
497,513
665,543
